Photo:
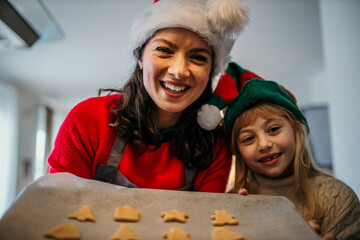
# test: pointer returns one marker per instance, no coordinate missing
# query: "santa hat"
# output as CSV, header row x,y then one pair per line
x,y
227,89
219,22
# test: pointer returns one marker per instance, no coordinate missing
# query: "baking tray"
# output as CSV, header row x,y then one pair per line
x,y
47,202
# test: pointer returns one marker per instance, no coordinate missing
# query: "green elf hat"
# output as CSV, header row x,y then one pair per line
x,y
228,88
256,90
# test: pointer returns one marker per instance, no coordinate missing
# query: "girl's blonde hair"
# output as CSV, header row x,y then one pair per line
x,y
304,165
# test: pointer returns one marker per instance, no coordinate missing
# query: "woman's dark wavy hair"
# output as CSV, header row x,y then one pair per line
x,y
132,120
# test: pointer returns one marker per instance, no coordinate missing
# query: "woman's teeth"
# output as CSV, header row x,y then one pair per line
x,y
270,158
174,88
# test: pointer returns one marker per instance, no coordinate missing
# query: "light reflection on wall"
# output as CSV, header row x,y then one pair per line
x,y
40,144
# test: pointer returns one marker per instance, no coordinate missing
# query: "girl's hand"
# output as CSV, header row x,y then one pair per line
x,y
243,191
316,227
328,236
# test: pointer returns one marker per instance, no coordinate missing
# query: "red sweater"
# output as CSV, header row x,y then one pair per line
x,y
85,140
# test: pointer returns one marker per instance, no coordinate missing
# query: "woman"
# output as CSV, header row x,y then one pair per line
x,y
147,135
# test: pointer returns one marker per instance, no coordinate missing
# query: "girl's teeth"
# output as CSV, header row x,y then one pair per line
x,y
270,158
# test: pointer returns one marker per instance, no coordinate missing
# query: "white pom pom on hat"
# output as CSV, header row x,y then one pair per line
x,y
224,16
209,117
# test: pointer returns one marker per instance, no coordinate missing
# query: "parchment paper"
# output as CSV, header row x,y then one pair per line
x,y
48,201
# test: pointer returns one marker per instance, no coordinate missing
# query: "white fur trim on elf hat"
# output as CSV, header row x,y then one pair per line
x,y
217,21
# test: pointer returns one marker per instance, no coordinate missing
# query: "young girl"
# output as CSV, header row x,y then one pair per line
x,y
268,135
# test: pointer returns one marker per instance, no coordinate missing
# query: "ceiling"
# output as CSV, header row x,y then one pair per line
x,y
93,53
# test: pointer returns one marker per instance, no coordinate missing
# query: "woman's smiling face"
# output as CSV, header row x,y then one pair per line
x,y
176,67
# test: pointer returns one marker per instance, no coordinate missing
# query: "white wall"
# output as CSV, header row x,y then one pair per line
x,y
19,112
28,117
341,37
17,151
283,42
8,144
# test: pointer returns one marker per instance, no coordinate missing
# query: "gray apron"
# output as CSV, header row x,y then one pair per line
x,y
109,172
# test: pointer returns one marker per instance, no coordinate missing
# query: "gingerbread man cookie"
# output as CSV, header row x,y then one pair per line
x,y
174,215
177,234
83,214
126,213
222,233
221,217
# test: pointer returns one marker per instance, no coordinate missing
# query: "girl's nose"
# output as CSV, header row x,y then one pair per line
x,y
265,144
179,68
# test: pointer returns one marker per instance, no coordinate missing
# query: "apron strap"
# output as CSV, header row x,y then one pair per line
x,y
108,172
190,173
116,152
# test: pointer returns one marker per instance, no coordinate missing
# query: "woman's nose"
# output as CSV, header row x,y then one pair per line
x,y
179,68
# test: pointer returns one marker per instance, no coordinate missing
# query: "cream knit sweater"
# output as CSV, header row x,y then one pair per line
x,y
337,206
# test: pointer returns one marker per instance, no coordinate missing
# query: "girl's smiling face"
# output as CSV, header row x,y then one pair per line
x,y
176,67
267,146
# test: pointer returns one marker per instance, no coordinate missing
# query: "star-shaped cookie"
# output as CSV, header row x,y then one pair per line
x,y
126,213
174,215
177,234
124,233
221,217
222,233
83,214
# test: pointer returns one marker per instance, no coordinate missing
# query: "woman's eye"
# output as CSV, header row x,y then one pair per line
x,y
199,58
164,50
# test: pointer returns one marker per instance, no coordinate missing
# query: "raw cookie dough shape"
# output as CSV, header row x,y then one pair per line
x,y
177,234
126,213
83,214
222,233
221,217
174,215
124,233
65,231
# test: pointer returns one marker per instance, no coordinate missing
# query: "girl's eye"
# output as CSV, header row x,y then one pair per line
x,y
247,139
274,129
